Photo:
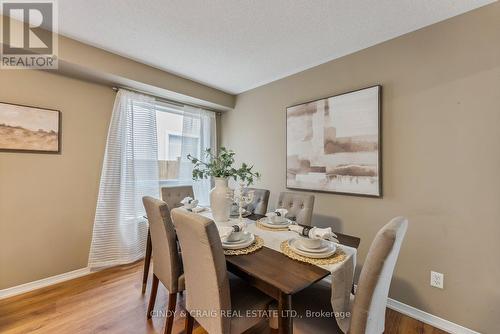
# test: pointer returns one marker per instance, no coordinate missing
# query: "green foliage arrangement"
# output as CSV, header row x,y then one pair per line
x,y
221,165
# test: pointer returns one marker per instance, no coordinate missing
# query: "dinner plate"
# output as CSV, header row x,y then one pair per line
x,y
292,243
323,248
268,223
239,245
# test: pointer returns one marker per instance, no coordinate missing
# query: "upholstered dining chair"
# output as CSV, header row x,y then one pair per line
x,y
167,266
172,195
299,205
175,194
213,293
369,304
260,200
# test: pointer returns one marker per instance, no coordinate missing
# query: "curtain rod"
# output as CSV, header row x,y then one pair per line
x,y
162,99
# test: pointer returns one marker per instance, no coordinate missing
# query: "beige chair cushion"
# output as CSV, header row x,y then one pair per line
x,y
166,259
368,311
207,280
260,200
174,195
299,205
369,305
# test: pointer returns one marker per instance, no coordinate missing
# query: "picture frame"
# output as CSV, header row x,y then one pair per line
x,y
334,144
29,129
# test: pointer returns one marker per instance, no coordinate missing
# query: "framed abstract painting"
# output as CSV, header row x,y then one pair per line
x,y
334,144
29,129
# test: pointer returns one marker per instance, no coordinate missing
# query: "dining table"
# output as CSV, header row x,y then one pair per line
x,y
271,271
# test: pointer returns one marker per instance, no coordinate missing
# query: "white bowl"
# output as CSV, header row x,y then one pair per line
x,y
278,219
310,243
235,236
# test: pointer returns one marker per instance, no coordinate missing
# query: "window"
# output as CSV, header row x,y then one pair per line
x,y
178,135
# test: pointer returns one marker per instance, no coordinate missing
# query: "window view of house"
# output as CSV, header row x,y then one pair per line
x,y
177,136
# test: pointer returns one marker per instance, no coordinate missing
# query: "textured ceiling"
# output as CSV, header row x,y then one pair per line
x,y
236,45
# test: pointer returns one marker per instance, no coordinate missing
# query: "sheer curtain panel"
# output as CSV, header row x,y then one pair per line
x,y
130,171
198,134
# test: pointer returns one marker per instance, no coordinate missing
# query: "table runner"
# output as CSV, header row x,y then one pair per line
x,y
342,273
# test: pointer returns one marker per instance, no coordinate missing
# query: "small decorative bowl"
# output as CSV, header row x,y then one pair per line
x,y
310,243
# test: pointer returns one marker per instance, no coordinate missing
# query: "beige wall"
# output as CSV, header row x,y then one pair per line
x,y
441,120
47,202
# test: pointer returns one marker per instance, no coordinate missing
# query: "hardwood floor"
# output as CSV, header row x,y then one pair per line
x,y
110,301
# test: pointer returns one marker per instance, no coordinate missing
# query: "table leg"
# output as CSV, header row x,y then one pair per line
x,y
285,320
147,261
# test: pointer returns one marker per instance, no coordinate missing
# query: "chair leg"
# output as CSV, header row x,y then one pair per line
x,y
189,323
172,302
152,298
147,262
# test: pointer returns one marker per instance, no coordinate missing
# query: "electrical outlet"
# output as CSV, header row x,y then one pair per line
x,y
437,280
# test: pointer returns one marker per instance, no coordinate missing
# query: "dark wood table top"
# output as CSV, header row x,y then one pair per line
x,y
278,270
270,270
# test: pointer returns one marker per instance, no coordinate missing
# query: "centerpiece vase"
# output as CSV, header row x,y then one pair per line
x,y
220,200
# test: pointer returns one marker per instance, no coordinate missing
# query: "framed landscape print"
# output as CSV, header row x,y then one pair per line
x,y
334,144
29,129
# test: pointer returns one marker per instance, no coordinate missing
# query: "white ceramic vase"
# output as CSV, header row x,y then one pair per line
x,y
220,200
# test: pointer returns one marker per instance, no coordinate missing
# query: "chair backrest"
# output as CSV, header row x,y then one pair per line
x,y
299,205
166,259
368,311
260,200
174,195
205,270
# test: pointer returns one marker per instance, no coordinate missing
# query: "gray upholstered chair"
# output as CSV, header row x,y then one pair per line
x,y
167,266
172,196
213,293
260,200
369,304
175,194
300,206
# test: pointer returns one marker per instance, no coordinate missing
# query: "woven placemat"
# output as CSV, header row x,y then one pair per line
x,y
257,244
337,257
259,224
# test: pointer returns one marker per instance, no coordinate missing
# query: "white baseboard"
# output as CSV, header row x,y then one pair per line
x,y
428,318
23,288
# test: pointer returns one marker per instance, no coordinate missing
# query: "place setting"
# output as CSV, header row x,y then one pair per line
x,y
313,245
275,221
191,205
237,240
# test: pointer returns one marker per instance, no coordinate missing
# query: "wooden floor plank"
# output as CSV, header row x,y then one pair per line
x,y
111,301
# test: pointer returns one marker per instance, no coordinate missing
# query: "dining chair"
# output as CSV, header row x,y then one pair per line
x,y
213,294
260,200
175,194
299,205
167,266
368,306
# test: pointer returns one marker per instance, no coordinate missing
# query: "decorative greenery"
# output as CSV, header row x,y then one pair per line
x,y
221,165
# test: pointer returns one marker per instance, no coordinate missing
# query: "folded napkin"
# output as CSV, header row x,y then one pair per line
x,y
225,231
314,232
277,213
189,201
